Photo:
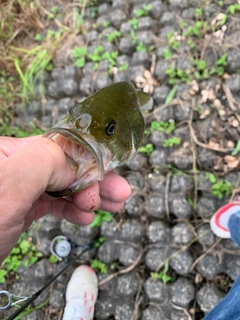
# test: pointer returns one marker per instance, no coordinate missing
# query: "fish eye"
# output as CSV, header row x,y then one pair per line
x,y
110,128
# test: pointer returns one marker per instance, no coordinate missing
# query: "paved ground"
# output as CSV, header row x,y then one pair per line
x,y
186,54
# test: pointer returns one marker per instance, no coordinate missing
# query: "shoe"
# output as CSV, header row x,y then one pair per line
x,y
220,220
81,294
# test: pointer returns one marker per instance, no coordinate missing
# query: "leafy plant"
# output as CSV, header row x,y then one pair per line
x,y
80,55
164,126
123,67
100,217
24,253
148,149
172,41
105,23
141,47
143,11
220,188
171,95
166,53
99,242
162,275
98,265
171,142
234,8
112,36
134,23
236,149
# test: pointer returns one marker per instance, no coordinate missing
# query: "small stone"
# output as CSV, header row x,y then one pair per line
x,y
208,238
158,137
121,76
160,94
155,290
208,297
157,183
57,73
181,113
126,46
179,206
86,86
103,8
233,82
88,69
103,80
206,206
117,17
124,311
158,231
72,72
157,8
177,5
181,183
156,206
181,158
103,65
146,37
108,252
182,292
181,234
128,255
159,157
140,58
92,35
122,60
134,205
205,159
209,266
168,18
137,162
182,262
136,180
56,300
64,105
145,23
151,313
232,266
183,64
233,60
188,14
127,285
161,68
131,230
108,287
125,28
156,257
104,308
166,30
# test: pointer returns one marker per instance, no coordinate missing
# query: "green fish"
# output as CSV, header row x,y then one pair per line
x,y
101,133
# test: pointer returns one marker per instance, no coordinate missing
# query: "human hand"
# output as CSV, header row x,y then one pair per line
x,y
29,167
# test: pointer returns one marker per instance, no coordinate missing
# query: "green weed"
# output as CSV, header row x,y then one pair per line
x,y
143,11
234,8
99,242
171,95
220,188
141,47
171,142
164,126
148,149
236,149
24,253
134,23
100,217
123,67
112,36
162,275
98,266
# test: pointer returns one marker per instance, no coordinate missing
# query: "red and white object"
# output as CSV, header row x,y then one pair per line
x,y
219,221
81,294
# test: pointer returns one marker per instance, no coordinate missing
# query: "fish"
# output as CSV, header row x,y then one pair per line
x,y
100,133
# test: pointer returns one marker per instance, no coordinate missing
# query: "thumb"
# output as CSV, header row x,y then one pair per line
x,y
39,166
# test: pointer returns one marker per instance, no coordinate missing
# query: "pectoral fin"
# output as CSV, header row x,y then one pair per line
x,y
146,101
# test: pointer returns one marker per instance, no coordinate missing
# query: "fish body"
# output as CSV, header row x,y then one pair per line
x,y
101,133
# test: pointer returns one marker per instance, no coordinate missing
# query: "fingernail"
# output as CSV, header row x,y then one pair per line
x,y
73,164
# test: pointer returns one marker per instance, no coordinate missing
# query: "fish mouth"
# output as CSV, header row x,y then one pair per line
x,y
91,158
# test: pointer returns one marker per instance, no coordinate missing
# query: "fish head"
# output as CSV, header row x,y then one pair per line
x,y
102,132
